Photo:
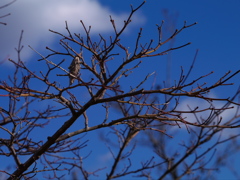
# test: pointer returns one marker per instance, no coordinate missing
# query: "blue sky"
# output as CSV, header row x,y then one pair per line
x,y
216,35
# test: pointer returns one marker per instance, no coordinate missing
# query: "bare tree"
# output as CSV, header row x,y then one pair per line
x,y
42,101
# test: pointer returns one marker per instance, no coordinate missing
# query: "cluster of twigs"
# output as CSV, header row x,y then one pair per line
x,y
5,15
140,110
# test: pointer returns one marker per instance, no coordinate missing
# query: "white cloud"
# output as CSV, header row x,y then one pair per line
x,y
226,116
189,104
35,17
